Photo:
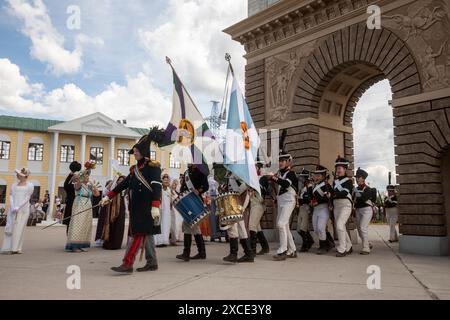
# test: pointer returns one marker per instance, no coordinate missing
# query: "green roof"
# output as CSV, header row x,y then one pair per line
x,y
27,124
39,125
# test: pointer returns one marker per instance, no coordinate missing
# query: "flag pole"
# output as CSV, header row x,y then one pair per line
x,y
169,62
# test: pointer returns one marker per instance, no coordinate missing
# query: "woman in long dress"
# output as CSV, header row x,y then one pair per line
x,y
19,212
162,240
102,217
114,224
80,228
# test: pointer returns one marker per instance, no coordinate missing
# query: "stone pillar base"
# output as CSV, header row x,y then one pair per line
x,y
424,245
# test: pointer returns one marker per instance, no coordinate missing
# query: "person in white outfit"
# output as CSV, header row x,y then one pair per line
x,y
176,220
343,206
162,240
364,202
287,182
19,212
320,201
390,207
237,232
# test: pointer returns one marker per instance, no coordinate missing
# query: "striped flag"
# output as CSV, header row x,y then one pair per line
x,y
242,141
187,133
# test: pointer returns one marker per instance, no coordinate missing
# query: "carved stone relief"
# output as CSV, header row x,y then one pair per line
x,y
282,74
425,27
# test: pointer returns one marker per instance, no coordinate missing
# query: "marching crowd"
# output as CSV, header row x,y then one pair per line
x,y
156,218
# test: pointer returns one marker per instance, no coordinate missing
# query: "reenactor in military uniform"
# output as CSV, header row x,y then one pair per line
x,y
287,182
390,207
305,211
342,206
364,202
194,180
257,209
144,190
237,232
321,202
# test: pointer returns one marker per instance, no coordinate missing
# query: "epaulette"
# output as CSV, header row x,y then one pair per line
x,y
152,163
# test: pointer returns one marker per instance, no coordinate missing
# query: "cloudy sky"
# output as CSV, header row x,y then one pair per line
x,y
115,63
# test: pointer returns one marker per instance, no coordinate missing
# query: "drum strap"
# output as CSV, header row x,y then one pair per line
x,y
188,181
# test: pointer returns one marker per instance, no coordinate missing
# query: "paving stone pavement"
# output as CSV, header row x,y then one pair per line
x,y
40,273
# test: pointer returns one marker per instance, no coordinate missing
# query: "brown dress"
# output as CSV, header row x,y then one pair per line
x,y
114,224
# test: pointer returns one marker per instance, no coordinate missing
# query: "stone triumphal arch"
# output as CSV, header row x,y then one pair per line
x,y
308,63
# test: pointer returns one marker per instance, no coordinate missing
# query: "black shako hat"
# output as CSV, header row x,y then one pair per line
x,y
341,162
305,173
321,170
361,173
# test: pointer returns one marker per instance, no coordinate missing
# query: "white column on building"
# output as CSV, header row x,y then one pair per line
x,y
112,142
52,190
83,149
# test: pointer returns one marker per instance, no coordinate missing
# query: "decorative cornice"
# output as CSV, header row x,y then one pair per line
x,y
289,19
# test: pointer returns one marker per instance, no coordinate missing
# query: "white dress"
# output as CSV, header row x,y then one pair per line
x,y
177,220
163,238
19,198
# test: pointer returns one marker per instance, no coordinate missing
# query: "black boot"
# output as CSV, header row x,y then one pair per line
x,y
330,240
187,248
263,242
323,247
200,247
234,247
248,256
253,241
305,241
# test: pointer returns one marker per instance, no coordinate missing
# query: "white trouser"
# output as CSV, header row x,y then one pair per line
x,y
392,218
364,215
303,218
342,211
321,215
286,205
238,230
256,213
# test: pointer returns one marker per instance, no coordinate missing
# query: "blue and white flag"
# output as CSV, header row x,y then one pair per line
x,y
242,141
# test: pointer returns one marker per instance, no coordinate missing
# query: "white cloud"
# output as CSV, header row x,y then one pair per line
x,y
192,37
138,101
47,43
373,134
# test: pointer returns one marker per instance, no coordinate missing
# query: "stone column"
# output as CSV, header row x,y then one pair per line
x,y
52,190
83,149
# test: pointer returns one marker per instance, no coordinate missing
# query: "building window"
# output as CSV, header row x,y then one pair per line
x,y
67,154
123,157
5,146
96,155
174,164
153,155
35,152
3,194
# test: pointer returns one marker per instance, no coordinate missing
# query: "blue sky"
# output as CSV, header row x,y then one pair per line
x,y
115,64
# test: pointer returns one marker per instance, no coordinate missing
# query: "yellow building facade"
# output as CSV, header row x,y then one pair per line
x,y
47,147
